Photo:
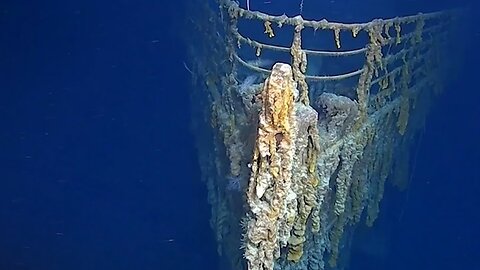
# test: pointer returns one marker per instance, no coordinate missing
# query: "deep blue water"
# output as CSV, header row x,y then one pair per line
x,y
98,167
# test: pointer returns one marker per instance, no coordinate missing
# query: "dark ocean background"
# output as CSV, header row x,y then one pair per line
x,y
98,166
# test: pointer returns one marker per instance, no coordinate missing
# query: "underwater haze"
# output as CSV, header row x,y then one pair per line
x,y
98,163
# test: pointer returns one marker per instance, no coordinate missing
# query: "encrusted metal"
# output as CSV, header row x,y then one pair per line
x,y
294,147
